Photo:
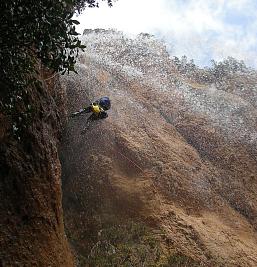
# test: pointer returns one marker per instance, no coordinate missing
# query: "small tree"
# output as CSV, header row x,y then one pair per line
x,y
227,66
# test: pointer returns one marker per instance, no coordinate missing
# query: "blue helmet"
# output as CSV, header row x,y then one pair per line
x,y
105,102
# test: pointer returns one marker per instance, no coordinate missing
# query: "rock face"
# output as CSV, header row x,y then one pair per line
x,y
177,155
31,218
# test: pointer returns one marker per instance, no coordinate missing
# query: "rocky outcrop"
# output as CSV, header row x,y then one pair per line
x,y
31,217
174,154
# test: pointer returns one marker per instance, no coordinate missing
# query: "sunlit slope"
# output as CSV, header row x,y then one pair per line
x,y
179,157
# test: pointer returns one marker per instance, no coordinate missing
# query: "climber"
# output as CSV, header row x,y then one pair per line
x,y
98,109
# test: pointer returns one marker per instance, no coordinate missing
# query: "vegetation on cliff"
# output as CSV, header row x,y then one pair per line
x,y
34,33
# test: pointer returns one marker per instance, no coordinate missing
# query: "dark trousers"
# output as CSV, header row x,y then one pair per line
x,y
87,109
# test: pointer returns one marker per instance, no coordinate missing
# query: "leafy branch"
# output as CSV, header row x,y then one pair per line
x,y
32,33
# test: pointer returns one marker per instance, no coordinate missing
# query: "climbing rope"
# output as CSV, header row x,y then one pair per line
x,y
131,161
51,77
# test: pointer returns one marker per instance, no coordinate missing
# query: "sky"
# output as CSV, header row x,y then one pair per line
x,y
200,29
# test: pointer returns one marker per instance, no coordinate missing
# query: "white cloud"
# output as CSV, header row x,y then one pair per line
x,y
200,29
240,4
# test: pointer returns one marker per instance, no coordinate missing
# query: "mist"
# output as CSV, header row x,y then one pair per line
x,y
201,30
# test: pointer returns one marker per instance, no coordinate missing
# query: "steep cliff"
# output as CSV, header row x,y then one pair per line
x,y
31,217
175,155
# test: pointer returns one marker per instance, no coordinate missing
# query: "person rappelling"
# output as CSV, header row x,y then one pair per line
x,y
98,109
